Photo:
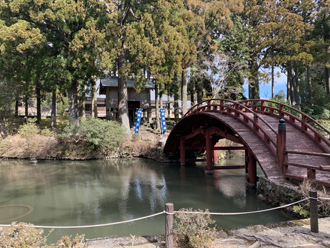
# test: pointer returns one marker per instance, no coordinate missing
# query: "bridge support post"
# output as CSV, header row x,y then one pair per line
x,y
182,152
252,168
215,155
246,161
281,146
209,152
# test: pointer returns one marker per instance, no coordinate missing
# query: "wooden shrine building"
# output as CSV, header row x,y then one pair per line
x,y
109,87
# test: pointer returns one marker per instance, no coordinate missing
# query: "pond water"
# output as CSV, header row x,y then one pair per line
x,y
60,193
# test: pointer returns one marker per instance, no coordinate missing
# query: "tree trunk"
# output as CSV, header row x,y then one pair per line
x,y
16,108
168,101
192,93
26,107
184,92
107,105
123,95
53,114
82,112
199,86
73,104
288,86
149,110
176,102
38,103
161,96
156,105
94,101
296,85
309,82
327,80
291,85
273,81
253,80
2,133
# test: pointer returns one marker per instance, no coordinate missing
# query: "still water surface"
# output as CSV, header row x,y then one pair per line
x,y
95,192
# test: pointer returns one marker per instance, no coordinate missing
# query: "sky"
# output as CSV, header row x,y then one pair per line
x,y
266,89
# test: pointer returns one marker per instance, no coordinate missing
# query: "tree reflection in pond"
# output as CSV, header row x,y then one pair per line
x,y
96,192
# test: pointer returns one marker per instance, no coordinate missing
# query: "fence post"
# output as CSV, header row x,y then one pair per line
x,y
169,225
313,211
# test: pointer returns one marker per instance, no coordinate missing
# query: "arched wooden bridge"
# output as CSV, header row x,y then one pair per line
x,y
286,142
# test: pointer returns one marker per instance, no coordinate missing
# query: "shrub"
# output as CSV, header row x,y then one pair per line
x,y
77,242
97,132
193,230
323,205
21,235
29,129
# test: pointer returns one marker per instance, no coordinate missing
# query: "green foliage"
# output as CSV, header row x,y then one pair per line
x,y
281,100
300,210
97,132
47,132
193,230
21,236
29,129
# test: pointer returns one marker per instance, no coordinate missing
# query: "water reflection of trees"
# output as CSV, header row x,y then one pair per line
x,y
232,186
87,190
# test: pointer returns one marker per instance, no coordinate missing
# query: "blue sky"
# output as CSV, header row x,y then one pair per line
x,y
266,89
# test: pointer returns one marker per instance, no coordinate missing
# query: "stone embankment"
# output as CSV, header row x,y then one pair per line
x,y
292,234
278,194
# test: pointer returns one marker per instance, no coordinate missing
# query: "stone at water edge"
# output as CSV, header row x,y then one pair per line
x,y
159,186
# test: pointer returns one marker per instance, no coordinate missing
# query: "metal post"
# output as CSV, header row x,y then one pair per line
x,y
169,225
281,146
313,211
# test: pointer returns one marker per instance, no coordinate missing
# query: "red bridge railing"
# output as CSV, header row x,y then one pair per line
x,y
300,120
241,113
250,112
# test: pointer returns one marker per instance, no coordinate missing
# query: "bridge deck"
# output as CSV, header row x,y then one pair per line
x,y
297,141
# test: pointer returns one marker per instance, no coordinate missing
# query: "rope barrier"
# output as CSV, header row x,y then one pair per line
x,y
241,213
88,226
164,212
322,198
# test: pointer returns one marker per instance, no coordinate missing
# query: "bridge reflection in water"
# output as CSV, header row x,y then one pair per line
x,y
72,193
284,141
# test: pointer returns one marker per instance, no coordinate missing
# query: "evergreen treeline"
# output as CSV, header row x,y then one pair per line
x,y
201,48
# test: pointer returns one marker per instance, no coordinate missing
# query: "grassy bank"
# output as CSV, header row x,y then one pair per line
x,y
93,139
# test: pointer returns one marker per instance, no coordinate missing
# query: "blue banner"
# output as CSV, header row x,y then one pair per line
x,y
138,116
162,120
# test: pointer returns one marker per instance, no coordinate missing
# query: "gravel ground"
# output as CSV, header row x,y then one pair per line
x,y
292,234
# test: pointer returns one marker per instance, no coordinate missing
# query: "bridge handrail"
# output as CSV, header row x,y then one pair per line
x,y
303,115
236,109
309,153
234,102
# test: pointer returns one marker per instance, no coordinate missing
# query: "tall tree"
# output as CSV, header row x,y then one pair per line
x,y
72,38
321,34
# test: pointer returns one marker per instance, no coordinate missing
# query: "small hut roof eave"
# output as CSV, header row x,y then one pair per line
x,y
112,82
